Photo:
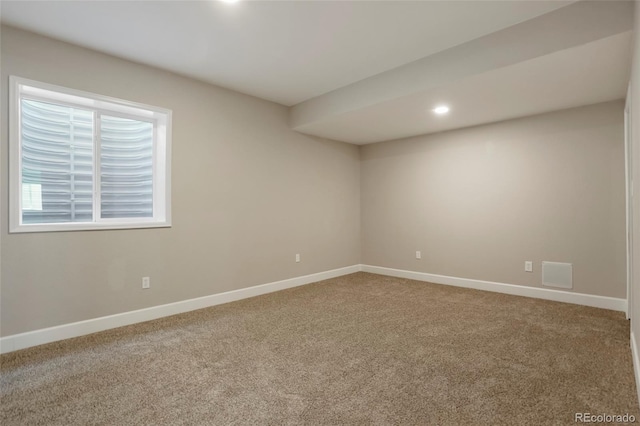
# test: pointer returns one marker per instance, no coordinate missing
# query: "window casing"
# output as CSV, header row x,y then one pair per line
x,y
81,161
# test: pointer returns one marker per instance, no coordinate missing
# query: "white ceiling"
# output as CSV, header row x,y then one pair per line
x,y
365,71
543,84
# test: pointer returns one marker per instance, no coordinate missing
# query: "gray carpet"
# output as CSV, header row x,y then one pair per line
x,y
359,349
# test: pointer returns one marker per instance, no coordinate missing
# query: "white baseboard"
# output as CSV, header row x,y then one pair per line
x,y
636,363
603,302
67,331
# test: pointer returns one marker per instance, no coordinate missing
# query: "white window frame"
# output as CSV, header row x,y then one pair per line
x,y
161,118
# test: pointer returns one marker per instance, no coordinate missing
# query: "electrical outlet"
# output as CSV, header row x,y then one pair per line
x,y
146,282
297,257
528,266
418,255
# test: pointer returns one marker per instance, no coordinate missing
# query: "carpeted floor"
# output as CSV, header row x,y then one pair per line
x,y
359,349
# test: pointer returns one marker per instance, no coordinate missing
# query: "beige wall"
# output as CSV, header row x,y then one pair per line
x,y
248,193
478,202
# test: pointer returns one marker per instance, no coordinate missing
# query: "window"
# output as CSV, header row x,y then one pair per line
x,y
82,161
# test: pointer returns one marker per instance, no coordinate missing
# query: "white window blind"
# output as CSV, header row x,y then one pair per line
x,y
83,161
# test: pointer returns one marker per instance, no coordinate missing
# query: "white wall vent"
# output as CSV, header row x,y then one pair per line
x,y
556,274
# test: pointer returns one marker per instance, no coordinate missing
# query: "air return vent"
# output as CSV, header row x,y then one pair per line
x,y
555,274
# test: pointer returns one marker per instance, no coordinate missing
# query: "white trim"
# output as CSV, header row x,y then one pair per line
x,y
15,160
636,363
517,290
627,181
67,331
80,328
86,99
131,223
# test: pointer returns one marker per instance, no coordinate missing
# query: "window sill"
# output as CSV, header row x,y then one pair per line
x,y
79,226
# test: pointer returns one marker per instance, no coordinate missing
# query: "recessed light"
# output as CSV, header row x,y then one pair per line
x,y
229,1
440,110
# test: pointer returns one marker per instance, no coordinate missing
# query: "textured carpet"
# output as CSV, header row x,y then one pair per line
x,y
359,349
